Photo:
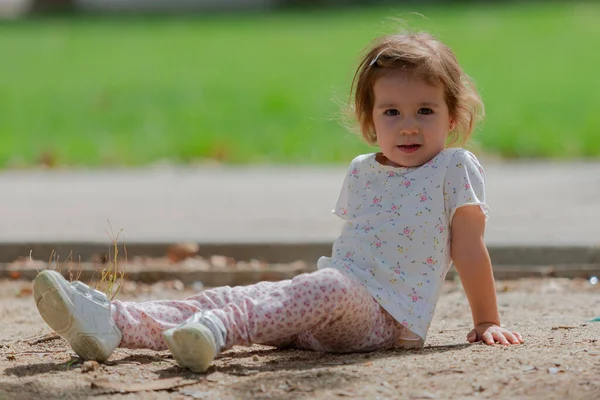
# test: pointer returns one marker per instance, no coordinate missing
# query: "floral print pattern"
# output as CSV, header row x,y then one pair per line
x,y
326,310
396,237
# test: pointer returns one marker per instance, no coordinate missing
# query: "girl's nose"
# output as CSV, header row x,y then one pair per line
x,y
409,127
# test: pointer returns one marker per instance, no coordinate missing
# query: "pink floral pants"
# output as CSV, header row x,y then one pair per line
x,y
326,310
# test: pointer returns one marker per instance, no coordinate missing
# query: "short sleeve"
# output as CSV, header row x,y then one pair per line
x,y
342,205
464,184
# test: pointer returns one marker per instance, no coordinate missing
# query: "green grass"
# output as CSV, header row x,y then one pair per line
x,y
267,88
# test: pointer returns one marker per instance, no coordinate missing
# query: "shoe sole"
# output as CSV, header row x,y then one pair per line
x,y
191,347
57,310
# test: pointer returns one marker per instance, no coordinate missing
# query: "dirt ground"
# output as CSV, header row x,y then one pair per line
x,y
560,359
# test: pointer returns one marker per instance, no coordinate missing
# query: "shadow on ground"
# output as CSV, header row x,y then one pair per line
x,y
34,390
37,369
235,363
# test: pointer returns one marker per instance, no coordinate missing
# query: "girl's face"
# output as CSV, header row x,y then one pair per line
x,y
411,119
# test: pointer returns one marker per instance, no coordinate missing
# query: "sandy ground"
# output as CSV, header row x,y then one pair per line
x,y
560,359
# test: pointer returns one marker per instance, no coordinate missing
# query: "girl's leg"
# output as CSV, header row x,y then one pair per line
x,y
364,326
142,324
326,310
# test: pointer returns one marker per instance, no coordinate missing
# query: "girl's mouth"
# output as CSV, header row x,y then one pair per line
x,y
409,148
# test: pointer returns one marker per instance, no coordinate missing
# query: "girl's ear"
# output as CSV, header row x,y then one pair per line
x,y
374,136
452,124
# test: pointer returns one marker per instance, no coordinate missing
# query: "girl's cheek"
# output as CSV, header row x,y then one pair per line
x,y
391,123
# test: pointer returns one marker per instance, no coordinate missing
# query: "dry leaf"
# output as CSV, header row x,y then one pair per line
x,y
555,328
344,393
423,396
216,377
446,371
47,159
126,387
41,339
182,251
245,372
24,292
194,394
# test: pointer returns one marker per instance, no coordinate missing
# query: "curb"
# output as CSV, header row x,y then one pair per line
x,y
209,278
510,262
281,253
276,272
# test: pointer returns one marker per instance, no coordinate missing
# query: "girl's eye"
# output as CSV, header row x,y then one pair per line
x,y
391,112
425,111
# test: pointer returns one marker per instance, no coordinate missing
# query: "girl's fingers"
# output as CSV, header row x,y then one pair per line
x,y
512,338
488,338
500,338
518,335
472,336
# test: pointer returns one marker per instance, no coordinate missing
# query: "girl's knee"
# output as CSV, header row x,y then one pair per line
x,y
329,285
335,283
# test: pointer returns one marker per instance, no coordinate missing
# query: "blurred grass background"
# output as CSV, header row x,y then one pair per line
x,y
268,87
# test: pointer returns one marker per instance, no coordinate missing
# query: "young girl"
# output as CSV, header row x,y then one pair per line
x,y
410,210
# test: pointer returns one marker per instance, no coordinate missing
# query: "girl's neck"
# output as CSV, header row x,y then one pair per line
x,y
383,160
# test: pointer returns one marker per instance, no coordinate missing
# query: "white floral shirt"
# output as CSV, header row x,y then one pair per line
x,y
396,238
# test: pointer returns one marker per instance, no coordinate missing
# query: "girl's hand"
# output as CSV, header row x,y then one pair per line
x,y
492,333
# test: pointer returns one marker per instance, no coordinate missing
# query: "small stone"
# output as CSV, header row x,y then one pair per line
x,y
255,358
553,371
528,368
178,285
478,388
89,366
221,261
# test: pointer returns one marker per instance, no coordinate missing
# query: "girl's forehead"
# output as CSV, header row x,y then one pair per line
x,y
405,83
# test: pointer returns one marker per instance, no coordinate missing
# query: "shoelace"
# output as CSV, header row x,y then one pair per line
x,y
94,294
216,326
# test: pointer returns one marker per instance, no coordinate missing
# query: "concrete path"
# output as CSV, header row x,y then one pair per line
x,y
552,204
532,204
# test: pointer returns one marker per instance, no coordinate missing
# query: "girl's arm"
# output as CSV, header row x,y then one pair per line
x,y
472,262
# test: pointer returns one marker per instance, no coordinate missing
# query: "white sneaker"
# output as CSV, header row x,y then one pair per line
x,y
77,313
195,343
